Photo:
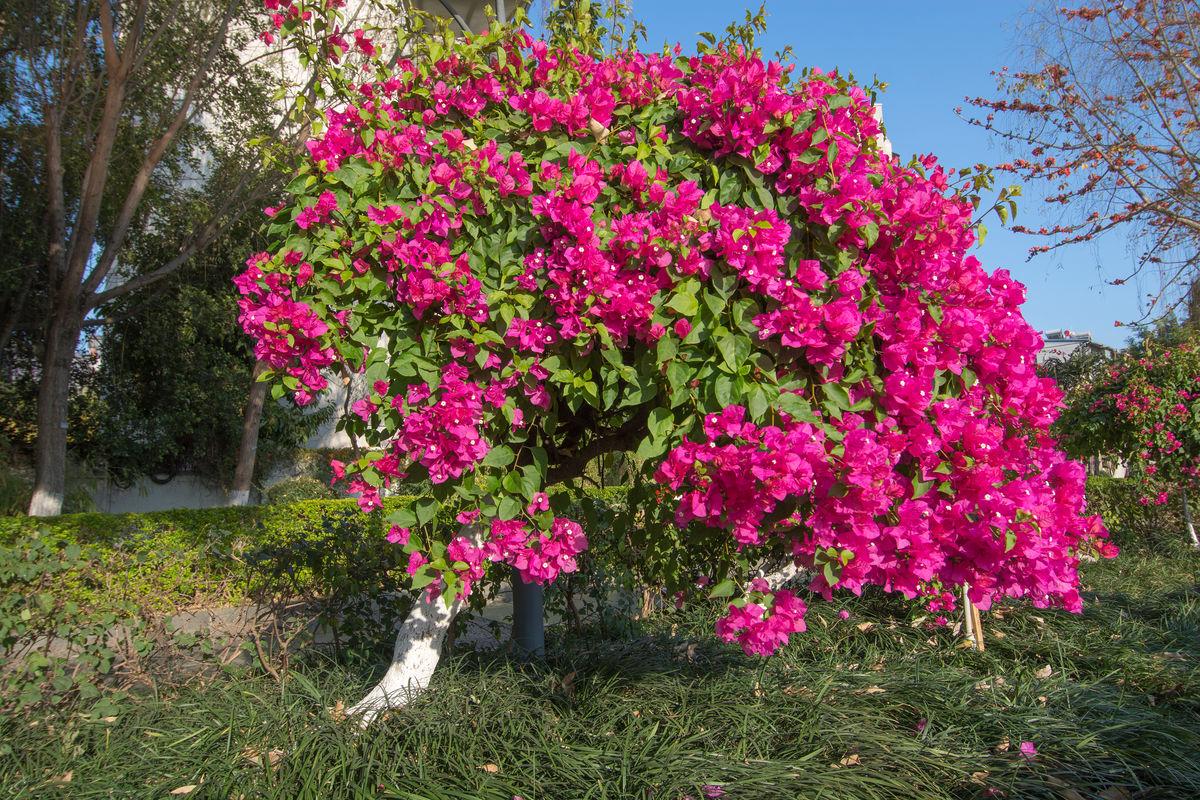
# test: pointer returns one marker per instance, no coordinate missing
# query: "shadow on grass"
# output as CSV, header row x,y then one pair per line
x,y
873,706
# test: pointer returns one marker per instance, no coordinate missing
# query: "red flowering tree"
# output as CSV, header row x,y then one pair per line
x,y
1146,409
1105,117
538,255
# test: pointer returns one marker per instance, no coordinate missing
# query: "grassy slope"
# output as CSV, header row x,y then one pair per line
x,y
836,715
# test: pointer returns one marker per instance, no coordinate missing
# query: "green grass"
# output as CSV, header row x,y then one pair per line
x,y
663,711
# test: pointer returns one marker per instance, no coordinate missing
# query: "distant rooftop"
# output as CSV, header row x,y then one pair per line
x,y
1062,342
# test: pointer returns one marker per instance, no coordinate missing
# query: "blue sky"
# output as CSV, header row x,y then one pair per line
x,y
932,54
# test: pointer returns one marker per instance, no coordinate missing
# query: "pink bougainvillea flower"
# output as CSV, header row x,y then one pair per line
x,y
416,560
870,406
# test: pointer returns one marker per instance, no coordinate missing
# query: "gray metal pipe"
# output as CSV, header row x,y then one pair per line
x,y
529,624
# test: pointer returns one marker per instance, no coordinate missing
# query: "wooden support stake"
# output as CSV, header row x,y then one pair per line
x,y
978,628
974,623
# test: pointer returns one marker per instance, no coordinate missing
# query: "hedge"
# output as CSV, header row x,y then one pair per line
x,y
171,560
187,557
190,557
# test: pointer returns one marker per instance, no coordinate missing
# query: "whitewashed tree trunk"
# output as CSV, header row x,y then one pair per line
x,y
785,574
416,653
1187,519
415,656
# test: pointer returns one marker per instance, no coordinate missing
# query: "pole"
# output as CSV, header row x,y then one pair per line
x,y
529,628
974,622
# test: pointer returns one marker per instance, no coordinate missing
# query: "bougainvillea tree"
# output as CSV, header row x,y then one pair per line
x,y
537,255
1145,408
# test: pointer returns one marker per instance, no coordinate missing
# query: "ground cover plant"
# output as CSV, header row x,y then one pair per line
x,y
877,705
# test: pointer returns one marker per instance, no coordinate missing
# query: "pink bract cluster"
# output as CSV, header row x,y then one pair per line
x,y
763,627
287,332
903,439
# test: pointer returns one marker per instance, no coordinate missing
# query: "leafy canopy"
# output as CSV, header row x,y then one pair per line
x,y
538,254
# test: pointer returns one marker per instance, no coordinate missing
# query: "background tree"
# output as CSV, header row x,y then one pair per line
x,y
1145,408
132,117
174,373
1104,115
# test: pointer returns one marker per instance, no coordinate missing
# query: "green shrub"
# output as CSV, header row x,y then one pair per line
x,y
54,647
76,576
301,487
1131,524
186,557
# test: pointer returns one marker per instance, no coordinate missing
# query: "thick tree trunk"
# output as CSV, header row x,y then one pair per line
x,y
243,475
415,656
54,393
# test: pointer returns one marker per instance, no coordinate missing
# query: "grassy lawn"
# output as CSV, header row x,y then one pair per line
x,y
878,705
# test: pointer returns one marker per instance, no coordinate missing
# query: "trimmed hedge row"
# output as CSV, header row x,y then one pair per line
x,y
176,559
172,560
197,557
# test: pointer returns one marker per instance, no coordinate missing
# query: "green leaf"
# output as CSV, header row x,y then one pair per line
x,y
666,348
650,448
660,423
795,407
404,517
870,233
836,394
498,456
723,390
758,403
684,300
423,577
734,349
510,507
921,488
723,589
426,510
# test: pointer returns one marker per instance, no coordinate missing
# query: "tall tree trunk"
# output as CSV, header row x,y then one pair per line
x,y
243,475
62,336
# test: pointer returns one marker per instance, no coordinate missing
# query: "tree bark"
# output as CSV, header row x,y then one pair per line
x,y
243,475
54,393
416,653
1187,520
414,658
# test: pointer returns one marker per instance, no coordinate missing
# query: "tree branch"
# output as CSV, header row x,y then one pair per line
x,y
141,181
620,439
